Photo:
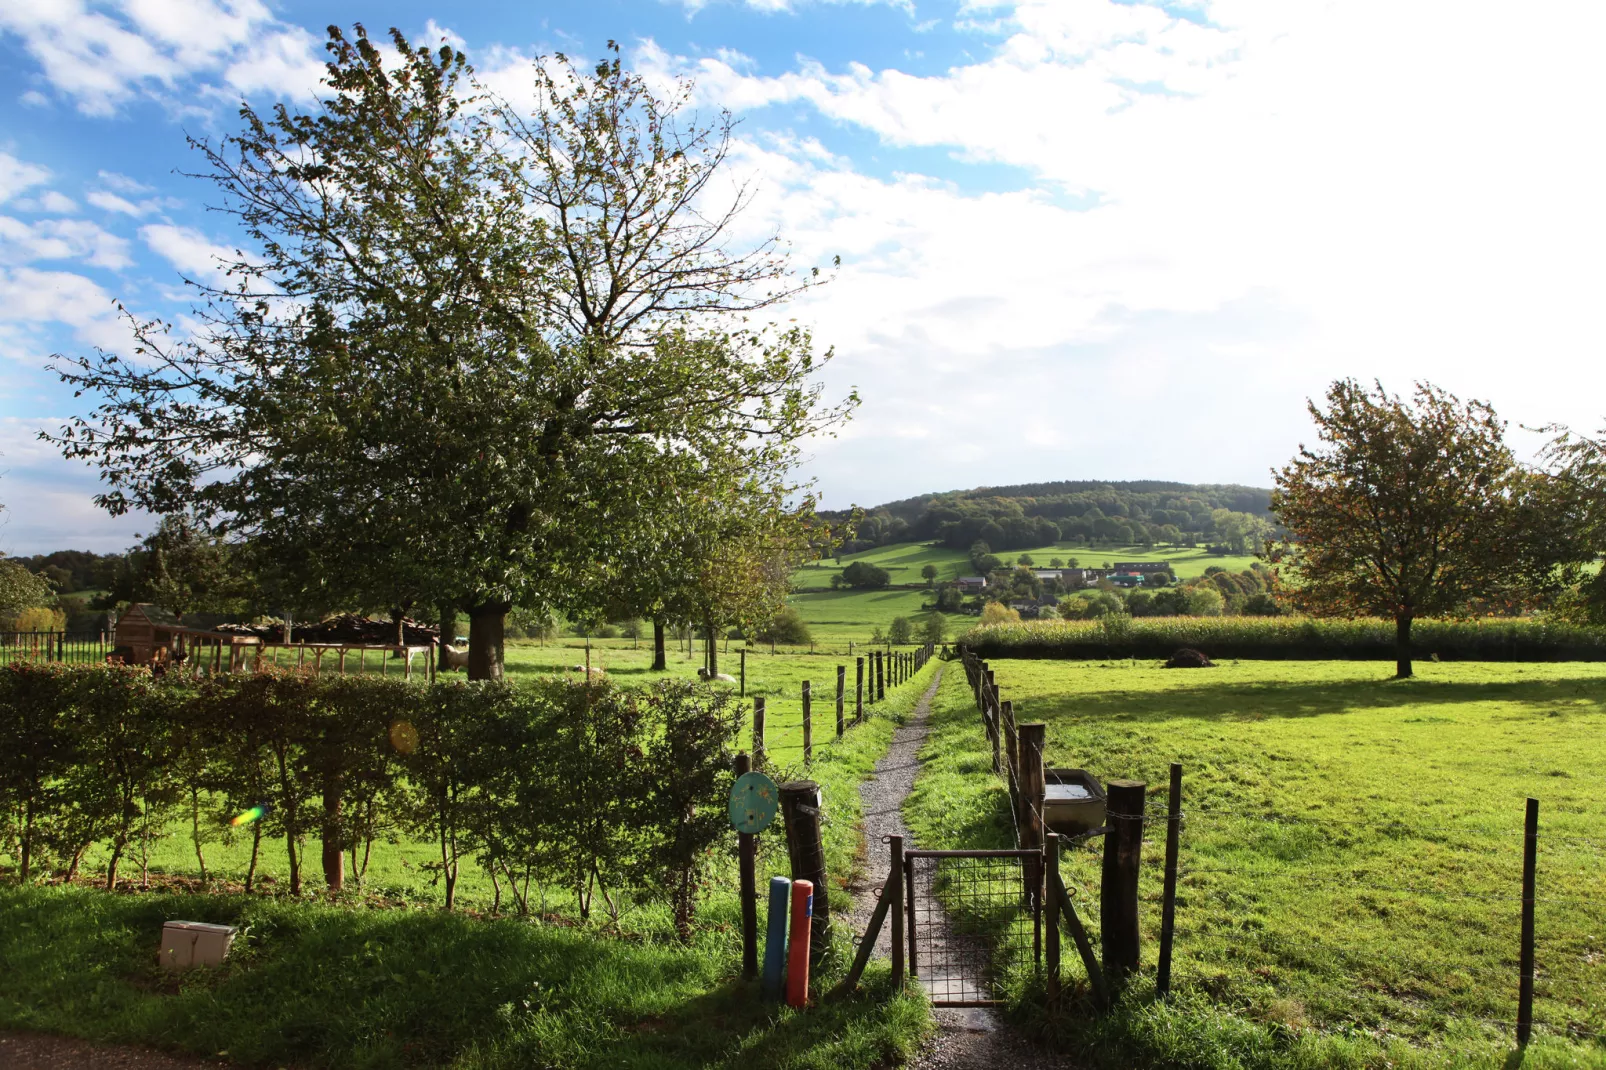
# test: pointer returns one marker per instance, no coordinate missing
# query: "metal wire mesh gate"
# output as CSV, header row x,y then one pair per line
x,y
973,919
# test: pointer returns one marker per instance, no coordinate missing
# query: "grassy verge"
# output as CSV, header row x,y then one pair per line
x,y
321,984
1351,863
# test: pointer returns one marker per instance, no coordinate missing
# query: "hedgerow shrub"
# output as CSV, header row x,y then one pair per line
x,y
577,783
1293,638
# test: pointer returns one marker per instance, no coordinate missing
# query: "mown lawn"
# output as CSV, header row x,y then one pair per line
x,y
1351,859
384,978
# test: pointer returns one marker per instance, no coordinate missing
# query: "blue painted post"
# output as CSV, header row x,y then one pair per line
x,y
774,981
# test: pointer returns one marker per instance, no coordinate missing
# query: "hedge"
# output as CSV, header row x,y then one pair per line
x,y
1286,638
582,783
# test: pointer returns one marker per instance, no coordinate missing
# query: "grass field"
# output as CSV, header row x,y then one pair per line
x,y
386,979
1351,860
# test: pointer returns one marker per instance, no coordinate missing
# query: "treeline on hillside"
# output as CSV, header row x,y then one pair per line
x,y
1022,593
1144,513
581,785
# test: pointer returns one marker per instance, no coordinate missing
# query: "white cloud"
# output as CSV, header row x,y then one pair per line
x,y
102,57
17,176
31,299
48,201
61,239
194,254
1406,192
123,184
773,7
48,501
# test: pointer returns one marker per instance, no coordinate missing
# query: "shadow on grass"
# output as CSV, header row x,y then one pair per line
x,y
1313,698
314,985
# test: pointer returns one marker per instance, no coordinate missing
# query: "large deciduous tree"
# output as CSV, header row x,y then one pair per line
x,y
1578,490
474,350
1406,509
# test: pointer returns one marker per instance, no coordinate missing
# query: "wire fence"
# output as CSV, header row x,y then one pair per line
x,y
1402,943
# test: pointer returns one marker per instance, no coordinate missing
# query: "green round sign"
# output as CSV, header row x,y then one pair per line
x,y
754,798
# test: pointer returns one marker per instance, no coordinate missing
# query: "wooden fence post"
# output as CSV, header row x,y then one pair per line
x,y
858,691
895,889
805,848
1118,894
1051,922
1168,908
758,734
1525,983
880,676
808,725
747,864
1032,737
1006,717
841,695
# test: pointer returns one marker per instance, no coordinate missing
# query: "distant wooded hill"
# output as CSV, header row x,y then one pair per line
x,y
1027,515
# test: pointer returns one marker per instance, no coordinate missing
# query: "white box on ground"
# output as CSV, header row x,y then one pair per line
x,y
194,943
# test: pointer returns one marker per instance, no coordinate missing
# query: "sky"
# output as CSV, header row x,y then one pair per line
x,y
1080,239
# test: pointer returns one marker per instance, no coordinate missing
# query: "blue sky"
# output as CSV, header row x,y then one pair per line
x,y
1080,238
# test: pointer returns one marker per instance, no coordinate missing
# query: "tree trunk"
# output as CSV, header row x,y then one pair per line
x,y
295,862
659,662
713,649
1402,647
448,626
485,628
195,828
334,859
256,847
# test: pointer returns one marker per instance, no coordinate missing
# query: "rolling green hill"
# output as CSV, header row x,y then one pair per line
x,y
844,614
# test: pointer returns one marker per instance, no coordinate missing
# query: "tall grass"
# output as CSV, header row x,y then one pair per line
x,y
1287,638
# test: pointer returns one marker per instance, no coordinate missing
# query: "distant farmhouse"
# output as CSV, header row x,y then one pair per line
x,y
1143,568
971,584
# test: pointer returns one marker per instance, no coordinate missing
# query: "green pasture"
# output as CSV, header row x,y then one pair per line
x,y
381,977
1351,857
904,561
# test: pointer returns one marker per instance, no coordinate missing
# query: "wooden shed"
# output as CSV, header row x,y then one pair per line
x,y
150,635
144,629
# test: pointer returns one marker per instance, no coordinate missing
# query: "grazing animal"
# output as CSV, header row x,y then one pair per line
x,y
595,670
702,674
1189,658
455,658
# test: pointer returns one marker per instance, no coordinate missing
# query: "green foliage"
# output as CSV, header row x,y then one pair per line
x,y
866,576
566,782
900,631
516,350
181,567
787,626
1288,637
933,628
1410,510
20,591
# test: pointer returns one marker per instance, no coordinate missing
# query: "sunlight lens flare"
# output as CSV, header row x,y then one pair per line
x,y
404,737
253,814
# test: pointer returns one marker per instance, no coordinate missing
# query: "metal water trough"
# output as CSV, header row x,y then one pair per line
x,y
1073,801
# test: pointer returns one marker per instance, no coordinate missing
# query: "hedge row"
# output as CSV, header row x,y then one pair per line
x,y
577,783
1286,638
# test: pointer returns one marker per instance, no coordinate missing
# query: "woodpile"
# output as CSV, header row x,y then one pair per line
x,y
1189,658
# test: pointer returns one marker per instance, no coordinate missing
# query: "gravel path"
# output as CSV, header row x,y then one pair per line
x,y
36,1051
967,1037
